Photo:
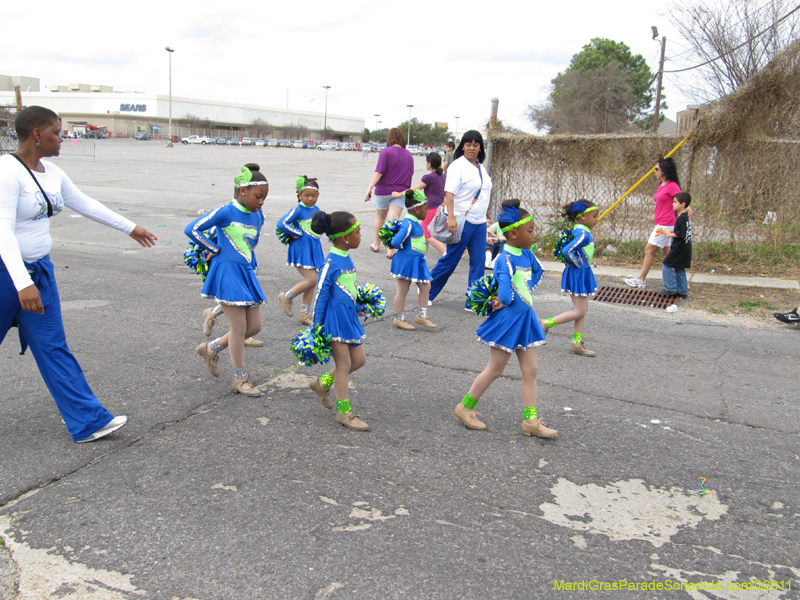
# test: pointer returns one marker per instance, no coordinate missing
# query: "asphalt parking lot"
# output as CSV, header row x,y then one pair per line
x,y
208,495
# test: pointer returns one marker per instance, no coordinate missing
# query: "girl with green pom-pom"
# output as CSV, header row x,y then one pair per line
x,y
512,325
305,250
337,310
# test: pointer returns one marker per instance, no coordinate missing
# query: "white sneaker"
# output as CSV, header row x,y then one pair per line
x,y
636,282
113,425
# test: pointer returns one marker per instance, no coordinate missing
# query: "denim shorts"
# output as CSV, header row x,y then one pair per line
x,y
383,202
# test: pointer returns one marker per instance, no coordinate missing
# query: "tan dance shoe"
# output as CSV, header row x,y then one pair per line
x,y
424,321
253,343
351,421
322,392
468,417
403,325
536,427
211,359
286,304
251,391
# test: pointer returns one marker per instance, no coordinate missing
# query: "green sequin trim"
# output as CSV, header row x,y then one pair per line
x,y
327,379
343,406
469,402
551,322
517,224
530,412
577,338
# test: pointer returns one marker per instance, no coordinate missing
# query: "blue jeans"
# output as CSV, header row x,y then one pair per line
x,y
81,410
675,280
473,240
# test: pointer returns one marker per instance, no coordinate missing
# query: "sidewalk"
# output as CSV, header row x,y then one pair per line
x,y
764,282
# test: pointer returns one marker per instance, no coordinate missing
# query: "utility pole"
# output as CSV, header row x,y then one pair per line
x,y
325,127
409,106
170,50
660,77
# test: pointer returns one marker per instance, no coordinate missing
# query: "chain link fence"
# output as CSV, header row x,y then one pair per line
x,y
742,194
8,137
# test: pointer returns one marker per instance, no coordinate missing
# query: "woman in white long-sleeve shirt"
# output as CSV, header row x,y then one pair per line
x,y
32,191
468,190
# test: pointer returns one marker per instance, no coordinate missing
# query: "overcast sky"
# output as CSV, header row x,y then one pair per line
x,y
448,59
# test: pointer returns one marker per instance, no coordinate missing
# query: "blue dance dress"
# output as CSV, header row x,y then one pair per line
x,y
515,326
578,278
409,262
335,305
231,276
305,249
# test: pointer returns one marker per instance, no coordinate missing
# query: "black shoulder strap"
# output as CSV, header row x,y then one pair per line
x,y
49,204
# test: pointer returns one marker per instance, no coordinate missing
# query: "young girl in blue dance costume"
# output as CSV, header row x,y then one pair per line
x,y
513,325
578,279
231,278
336,309
408,264
305,250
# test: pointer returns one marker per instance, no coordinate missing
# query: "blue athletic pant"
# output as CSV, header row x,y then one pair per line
x,y
80,409
473,240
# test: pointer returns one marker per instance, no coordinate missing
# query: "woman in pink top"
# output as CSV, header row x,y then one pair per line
x,y
663,217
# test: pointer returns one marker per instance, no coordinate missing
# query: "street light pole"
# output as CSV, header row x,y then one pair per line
x,y
287,99
325,127
376,121
656,115
410,106
456,136
170,50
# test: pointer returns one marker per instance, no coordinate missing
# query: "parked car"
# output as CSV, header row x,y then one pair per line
x,y
143,136
232,141
348,146
297,144
380,147
311,144
284,144
260,142
246,141
196,139
328,146
368,148
272,143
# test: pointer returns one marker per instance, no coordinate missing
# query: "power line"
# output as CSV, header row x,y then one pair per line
x,y
744,43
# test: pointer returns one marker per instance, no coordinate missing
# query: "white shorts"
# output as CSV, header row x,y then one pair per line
x,y
662,241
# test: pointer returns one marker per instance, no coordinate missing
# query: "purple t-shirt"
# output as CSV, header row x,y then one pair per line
x,y
434,189
396,166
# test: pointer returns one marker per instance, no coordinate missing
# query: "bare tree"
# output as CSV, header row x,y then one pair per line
x,y
260,128
736,38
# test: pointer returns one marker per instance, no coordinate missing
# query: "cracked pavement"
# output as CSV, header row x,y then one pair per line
x,y
208,495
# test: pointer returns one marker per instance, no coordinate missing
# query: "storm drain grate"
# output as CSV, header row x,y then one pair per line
x,y
633,296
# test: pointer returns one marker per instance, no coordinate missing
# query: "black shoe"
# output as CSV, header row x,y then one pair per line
x,y
790,317
666,292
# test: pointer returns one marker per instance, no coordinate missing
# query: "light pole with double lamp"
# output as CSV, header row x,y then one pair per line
x,y
170,50
376,121
325,127
409,106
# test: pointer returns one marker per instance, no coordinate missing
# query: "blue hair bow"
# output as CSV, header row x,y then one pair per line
x,y
509,214
578,207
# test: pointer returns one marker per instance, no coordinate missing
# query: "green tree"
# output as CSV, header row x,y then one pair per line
x,y
379,135
605,88
425,134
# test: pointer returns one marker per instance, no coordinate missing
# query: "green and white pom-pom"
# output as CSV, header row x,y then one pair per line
x,y
372,300
388,231
312,346
195,256
480,294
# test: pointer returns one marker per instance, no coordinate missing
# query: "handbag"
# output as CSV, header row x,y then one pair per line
x,y
438,225
49,204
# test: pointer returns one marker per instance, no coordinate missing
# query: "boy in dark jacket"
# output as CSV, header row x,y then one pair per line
x,y
673,269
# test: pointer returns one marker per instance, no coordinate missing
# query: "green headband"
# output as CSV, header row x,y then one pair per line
x,y
590,209
351,230
245,178
517,224
419,197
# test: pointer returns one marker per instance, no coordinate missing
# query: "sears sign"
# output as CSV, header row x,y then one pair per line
x,y
133,108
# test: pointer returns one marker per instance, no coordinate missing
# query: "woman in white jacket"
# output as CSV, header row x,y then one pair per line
x,y
32,191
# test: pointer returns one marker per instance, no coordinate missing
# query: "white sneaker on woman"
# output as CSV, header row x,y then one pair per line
x,y
636,282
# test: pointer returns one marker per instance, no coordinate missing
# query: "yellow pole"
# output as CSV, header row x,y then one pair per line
x,y
645,176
